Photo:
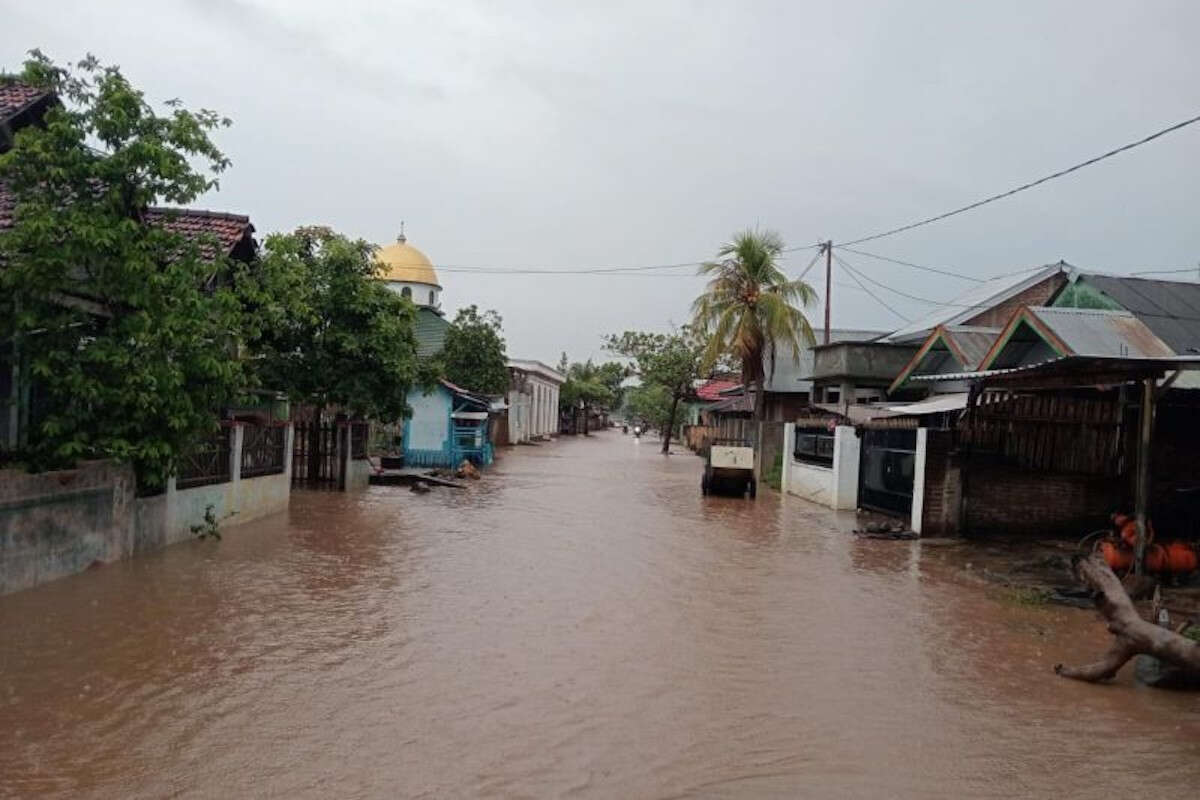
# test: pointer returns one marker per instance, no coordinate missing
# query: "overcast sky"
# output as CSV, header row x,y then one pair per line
x,y
551,134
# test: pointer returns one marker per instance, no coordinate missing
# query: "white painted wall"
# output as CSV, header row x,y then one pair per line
x,y
836,486
420,292
427,430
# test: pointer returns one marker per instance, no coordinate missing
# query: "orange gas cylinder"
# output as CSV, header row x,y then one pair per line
x,y
1115,556
1129,532
1180,557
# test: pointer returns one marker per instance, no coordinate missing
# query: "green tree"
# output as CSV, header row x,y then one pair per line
x,y
670,361
750,308
653,403
473,355
341,338
585,389
128,329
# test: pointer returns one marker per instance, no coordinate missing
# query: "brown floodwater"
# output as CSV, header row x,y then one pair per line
x,y
580,623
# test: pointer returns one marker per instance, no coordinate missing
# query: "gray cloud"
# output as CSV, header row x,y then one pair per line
x,y
538,133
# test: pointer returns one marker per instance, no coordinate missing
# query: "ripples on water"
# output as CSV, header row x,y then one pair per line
x,y
579,623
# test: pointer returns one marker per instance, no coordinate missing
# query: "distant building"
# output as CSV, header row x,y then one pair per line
x,y
532,400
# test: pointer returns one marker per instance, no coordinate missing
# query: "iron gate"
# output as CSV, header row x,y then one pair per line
x,y
885,475
315,462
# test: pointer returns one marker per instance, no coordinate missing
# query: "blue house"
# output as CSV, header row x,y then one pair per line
x,y
448,424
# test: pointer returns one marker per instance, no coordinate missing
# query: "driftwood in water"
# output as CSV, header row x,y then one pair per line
x,y
1133,635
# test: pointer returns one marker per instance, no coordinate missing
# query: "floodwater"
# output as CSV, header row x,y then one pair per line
x,y
580,623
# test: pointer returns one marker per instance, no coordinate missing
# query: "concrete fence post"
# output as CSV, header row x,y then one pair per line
x,y
789,447
237,440
847,450
918,491
289,447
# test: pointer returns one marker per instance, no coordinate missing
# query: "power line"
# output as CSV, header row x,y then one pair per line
x,y
1024,186
811,264
596,270
874,297
914,266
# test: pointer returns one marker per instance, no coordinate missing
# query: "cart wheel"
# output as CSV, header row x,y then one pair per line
x,y
752,488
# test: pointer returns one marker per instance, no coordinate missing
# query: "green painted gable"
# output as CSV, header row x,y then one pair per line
x,y
430,330
1081,294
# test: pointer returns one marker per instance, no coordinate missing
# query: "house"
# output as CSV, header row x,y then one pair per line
x,y
448,425
220,234
789,380
948,349
532,400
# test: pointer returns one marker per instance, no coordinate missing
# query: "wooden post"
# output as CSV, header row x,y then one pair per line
x,y
828,284
1141,497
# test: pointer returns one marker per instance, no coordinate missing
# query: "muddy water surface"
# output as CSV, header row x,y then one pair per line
x,y
579,623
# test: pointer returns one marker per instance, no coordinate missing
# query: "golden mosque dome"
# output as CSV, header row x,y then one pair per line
x,y
400,261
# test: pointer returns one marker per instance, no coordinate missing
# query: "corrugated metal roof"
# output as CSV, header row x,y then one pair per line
x,y
1188,362
974,301
1169,308
1099,332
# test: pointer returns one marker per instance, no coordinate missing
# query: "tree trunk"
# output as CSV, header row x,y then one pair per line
x,y
666,448
586,420
1134,635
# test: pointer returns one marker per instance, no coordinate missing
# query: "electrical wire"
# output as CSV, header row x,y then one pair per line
x,y
1024,186
874,297
598,270
811,264
910,264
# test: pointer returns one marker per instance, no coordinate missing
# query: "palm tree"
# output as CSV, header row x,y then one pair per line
x,y
750,309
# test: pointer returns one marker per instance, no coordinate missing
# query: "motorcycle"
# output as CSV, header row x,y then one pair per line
x,y
637,431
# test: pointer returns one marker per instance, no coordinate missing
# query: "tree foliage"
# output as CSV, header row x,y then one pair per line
x,y
589,385
750,308
474,353
654,404
669,361
127,328
331,334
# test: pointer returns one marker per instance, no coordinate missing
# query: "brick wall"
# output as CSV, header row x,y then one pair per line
x,y
943,489
1007,500
1037,295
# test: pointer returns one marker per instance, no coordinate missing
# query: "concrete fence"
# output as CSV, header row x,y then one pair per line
x,y
55,524
833,484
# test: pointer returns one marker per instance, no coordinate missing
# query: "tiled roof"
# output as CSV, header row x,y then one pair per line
x,y
229,229
16,97
711,391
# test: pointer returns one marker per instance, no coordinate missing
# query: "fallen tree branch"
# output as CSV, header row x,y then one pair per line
x,y
1134,635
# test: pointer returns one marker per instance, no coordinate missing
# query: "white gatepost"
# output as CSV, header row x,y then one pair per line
x,y
918,490
847,450
789,448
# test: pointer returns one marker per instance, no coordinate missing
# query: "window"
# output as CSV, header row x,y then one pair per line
x,y
814,446
406,292
832,395
432,299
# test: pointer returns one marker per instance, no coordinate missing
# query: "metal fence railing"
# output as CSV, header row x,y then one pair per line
x,y
263,450
814,447
206,463
360,434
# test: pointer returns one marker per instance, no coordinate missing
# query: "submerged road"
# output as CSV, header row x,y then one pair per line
x,y
580,623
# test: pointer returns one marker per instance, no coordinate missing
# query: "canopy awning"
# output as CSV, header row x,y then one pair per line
x,y
474,415
934,405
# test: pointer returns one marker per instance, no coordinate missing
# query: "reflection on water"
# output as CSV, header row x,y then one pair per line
x,y
579,623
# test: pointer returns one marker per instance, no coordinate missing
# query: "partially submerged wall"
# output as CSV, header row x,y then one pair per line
x,y
55,524
835,486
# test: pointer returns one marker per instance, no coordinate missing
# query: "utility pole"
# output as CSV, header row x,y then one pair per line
x,y
828,246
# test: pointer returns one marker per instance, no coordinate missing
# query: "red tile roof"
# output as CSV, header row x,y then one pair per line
x,y
16,97
711,391
229,229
